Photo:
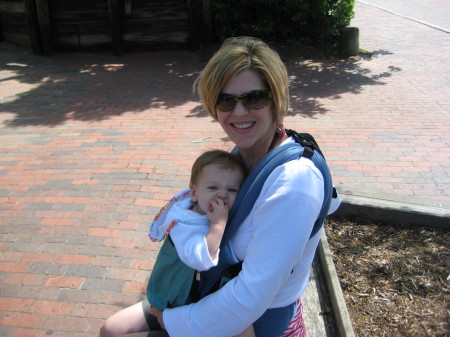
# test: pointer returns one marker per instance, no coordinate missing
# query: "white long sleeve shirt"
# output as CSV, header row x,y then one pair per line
x,y
274,243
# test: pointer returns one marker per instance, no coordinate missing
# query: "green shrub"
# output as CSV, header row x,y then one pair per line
x,y
282,20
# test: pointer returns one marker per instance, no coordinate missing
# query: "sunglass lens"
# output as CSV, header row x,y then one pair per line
x,y
257,99
226,102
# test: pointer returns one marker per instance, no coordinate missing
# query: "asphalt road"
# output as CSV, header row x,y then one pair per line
x,y
435,13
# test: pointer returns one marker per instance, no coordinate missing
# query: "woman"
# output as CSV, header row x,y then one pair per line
x,y
245,88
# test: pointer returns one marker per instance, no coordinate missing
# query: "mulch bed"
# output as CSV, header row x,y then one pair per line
x,y
395,278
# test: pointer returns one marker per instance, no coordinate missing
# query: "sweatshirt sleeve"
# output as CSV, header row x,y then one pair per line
x,y
282,219
189,239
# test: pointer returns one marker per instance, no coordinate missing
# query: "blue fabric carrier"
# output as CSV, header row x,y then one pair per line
x,y
305,146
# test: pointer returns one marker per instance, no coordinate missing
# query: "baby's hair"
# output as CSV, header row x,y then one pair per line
x,y
224,159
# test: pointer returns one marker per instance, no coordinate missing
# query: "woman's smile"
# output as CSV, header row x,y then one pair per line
x,y
243,125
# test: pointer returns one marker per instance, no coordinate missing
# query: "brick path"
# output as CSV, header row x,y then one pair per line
x,y
93,145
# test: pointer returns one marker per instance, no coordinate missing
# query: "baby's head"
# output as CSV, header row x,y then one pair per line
x,y
216,174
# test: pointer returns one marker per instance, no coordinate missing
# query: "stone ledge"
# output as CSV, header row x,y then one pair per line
x,y
393,211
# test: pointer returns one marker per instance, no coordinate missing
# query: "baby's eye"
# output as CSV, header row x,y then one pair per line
x,y
212,188
233,190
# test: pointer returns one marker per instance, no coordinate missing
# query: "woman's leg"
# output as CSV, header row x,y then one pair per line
x,y
297,325
249,332
128,320
274,321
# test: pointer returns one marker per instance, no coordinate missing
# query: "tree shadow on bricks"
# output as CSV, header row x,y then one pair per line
x,y
311,81
37,90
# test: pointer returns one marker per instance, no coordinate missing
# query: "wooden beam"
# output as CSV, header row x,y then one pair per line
x,y
12,7
194,13
1,33
207,23
45,26
33,26
201,23
115,12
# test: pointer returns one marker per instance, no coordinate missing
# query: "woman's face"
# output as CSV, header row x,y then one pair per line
x,y
251,130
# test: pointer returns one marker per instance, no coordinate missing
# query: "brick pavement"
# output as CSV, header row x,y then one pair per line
x,y
93,145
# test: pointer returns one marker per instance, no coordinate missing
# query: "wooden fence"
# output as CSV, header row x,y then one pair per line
x,y
48,26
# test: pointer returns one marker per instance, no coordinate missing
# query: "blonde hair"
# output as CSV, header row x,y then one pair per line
x,y
241,53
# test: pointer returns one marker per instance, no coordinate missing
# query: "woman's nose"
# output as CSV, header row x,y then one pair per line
x,y
239,109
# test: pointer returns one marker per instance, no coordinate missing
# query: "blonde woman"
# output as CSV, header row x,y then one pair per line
x,y
244,87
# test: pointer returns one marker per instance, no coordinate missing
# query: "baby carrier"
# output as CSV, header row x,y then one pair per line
x,y
304,146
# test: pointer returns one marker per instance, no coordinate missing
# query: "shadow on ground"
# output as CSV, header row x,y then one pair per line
x,y
52,90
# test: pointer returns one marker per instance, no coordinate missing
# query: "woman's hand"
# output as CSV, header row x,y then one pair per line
x,y
159,316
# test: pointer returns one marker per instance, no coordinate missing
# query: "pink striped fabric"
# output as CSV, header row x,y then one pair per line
x,y
297,326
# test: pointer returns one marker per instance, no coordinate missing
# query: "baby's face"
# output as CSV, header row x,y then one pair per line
x,y
216,183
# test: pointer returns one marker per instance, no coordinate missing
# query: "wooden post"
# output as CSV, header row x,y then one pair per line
x,y
115,13
194,13
33,26
207,23
200,22
45,28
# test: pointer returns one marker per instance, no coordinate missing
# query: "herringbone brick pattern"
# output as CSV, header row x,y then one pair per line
x,y
91,146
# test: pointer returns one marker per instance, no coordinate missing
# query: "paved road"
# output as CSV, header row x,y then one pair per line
x,y
92,145
435,13
409,99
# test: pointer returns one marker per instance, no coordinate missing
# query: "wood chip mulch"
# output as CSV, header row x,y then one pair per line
x,y
395,278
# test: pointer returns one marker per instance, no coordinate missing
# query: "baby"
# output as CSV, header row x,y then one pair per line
x,y
192,224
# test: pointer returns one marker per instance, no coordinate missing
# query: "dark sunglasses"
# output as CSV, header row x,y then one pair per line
x,y
253,100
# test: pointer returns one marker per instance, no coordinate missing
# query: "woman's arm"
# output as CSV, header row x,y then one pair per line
x,y
281,223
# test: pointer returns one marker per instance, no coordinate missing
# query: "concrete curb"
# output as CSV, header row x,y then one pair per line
x,y
341,315
394,211
406,17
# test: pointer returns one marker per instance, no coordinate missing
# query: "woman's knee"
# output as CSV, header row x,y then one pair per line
x,y
128,320
113,327
105,330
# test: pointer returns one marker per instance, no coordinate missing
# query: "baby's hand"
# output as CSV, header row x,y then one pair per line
x,y
218,215
218,211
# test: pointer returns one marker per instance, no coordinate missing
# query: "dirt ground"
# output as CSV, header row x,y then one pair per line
x,y
395,279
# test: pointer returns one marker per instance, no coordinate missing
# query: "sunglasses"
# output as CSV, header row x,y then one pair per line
x,y
252,100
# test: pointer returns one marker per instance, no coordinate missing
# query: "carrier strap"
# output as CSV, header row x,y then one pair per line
x,y
250,191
